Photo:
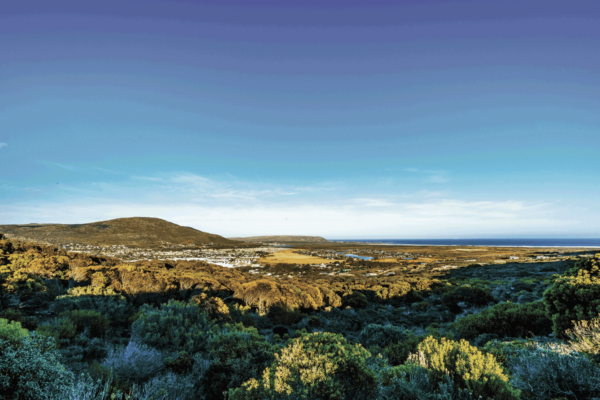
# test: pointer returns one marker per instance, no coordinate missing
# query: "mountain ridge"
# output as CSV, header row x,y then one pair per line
x,y
130,232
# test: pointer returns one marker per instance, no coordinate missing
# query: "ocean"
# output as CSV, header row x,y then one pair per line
x,y
591,243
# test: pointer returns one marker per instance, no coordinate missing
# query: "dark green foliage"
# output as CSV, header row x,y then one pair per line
x,y
543,373
89,321
13,314
175,326
466,295
381,336
235,356
281,316
313,321
61,329
115,307
31,369
181,364
413,383
506,319
574,296
355,300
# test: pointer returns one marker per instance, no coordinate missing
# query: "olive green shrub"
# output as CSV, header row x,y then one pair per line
x,y
175,326
13,314
466,295
355,300
30,369
236,356
574,296
12,331
61,329
467,367
381,335
89,321
112,306
506,319
315,366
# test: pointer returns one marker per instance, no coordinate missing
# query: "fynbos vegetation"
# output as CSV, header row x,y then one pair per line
x,y
80,326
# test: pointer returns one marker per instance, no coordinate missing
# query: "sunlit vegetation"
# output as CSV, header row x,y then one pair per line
x,y
93,327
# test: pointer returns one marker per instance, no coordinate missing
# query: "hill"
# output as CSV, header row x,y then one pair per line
x,y
283,239
130,232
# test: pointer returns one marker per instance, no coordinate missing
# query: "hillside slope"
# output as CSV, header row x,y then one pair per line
x,y
283,239
131,232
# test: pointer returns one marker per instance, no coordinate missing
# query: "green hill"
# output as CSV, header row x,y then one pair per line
x,y
130,232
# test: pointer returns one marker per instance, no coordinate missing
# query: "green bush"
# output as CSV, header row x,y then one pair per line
x,y
315,366
31,369
58,328
281,316
114,307
12,314
467,295
398,352
545,373
92,322
467,367
12,331
574,296
381,336
355,300
506,319
175,326
236,356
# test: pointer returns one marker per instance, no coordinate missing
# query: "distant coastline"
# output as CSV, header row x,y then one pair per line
x,y
570,243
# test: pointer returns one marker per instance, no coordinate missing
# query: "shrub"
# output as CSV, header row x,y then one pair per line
x,y
181,364
12,331
114,307
543,373
315,366
281,316
506,319
214,308
12,314
381,336
574,296
413,383
135,363
236,356
58,328
467,295
94,323
585,337
174,326
398,352
355,300
31,369
467,367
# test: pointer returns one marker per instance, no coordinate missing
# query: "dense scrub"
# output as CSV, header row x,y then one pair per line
x,y
575,296
98,328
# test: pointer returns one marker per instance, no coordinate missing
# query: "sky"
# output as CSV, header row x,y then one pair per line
x,y
343,119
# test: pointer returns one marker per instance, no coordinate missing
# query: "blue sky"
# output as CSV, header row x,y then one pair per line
x,y
405,119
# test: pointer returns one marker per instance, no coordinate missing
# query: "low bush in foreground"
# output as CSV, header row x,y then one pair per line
x,y
315,366
467,367
30,369
544,373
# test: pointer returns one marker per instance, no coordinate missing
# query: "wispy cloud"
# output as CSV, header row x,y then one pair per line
x,y
59,165
108,171
433,176
3,145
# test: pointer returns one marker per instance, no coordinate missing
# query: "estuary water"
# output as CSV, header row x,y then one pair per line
x,y
592,243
